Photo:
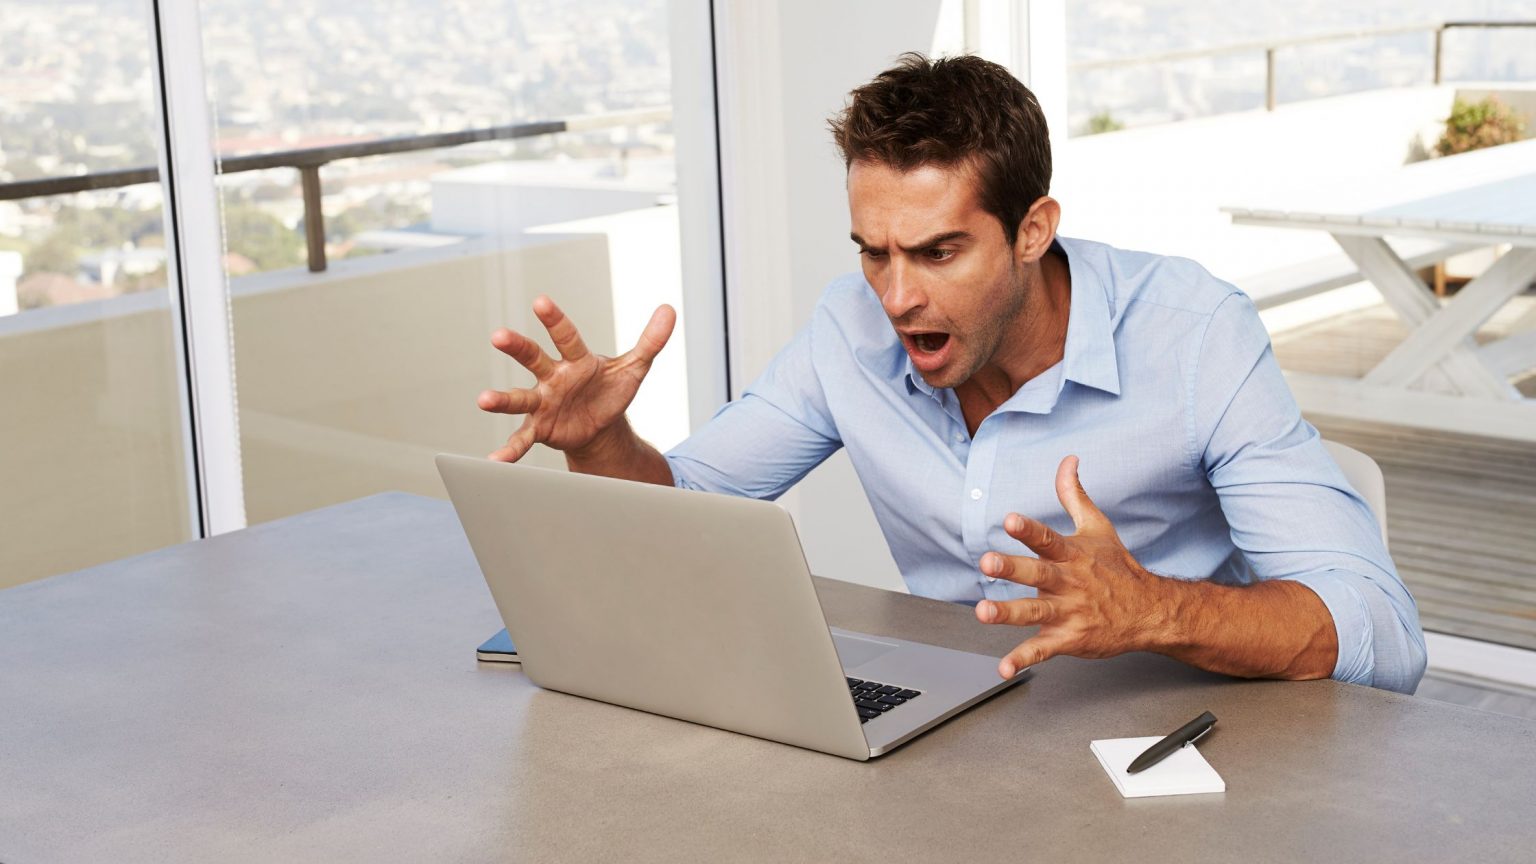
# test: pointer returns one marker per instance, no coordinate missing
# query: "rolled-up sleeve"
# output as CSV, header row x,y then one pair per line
x,y
765,442
1291,511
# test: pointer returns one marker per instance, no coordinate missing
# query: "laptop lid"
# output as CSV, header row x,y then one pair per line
x,y
687,604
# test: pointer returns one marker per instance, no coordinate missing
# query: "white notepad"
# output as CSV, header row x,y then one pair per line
x,y
1184,773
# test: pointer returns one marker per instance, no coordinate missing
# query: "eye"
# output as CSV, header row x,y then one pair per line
x,y
939,254
872,254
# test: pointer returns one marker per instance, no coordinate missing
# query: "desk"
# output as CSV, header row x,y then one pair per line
x,y
306,690
1486,197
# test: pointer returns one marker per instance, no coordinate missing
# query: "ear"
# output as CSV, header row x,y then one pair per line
x,y
1037,230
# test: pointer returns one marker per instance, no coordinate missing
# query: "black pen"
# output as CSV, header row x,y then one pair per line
x,y
1185,734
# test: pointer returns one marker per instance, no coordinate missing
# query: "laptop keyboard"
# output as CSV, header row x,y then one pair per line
x,y
873,698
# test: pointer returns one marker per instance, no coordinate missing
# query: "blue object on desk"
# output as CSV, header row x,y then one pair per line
x,y
498,649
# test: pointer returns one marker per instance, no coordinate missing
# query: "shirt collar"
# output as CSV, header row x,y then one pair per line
x,y
1089,357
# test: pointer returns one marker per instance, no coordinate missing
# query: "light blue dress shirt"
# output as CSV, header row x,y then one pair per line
x,y
1189,440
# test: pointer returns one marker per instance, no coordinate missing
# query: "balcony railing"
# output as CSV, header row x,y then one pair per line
x,y
310,160
1271,47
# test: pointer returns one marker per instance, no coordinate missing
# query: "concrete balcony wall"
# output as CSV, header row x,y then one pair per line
x,y
350,381
91,460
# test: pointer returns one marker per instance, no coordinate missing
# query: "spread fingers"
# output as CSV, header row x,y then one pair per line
x,y
1028,653
508,401
561,330
525,351
517,445
1038,536
1019,613
1017,568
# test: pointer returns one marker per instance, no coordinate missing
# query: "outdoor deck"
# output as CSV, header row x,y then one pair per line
x,y
1461,509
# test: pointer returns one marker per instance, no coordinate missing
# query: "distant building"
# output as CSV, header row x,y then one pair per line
x,y
512,197
104,268
11,219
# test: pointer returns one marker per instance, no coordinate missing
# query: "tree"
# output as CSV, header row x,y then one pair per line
x,y
261,237
59,252
79,230
375,214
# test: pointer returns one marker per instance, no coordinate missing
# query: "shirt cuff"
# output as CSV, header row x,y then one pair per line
x,y
679,471
1351,623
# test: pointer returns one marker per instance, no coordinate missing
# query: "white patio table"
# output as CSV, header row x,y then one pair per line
x,y
1486,198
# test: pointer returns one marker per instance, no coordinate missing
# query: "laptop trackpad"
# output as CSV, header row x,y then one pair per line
x,y
857,650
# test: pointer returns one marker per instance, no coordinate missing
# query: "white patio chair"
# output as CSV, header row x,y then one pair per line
x,y
1364,474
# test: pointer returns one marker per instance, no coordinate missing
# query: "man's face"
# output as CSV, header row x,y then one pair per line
x,y
940,264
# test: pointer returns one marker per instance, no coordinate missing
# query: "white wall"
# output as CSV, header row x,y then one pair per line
x,y
786,213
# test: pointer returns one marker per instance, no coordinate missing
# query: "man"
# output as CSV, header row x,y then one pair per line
x,y
981,362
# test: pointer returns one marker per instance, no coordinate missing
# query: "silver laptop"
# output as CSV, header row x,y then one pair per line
x,y
694,606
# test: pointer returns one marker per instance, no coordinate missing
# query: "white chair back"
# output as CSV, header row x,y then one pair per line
x,y
1364,474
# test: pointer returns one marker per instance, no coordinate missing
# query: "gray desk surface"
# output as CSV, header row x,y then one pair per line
x,y
307,690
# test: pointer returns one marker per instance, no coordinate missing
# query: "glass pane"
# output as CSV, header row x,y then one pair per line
x,y
90,396
1461,490
362,324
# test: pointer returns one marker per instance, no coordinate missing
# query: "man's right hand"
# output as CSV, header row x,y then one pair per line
x,y
576,398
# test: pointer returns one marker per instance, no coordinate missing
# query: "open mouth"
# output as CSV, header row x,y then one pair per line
x,y
929,349
929,343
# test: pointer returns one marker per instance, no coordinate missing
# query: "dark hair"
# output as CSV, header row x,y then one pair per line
x,y
953,111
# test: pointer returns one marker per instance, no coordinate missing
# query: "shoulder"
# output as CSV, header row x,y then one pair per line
x,y
1169,283
849,295
849,306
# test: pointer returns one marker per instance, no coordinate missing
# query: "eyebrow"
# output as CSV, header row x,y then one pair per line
x,y
921,246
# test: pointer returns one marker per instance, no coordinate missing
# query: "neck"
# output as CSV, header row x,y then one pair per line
x,y
1037,338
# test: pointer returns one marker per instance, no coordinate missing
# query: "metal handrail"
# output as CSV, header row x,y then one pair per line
x,y
1271,46
309,161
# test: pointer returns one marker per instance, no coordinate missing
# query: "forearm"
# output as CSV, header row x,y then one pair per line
x,y
618,452
1272,629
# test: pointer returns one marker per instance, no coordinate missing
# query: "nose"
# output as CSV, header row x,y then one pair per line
x,y
903,294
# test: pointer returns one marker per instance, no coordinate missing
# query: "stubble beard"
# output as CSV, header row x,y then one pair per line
x,y
997,323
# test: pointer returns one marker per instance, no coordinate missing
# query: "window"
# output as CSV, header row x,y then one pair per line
x,y
378,188
92,392
397,181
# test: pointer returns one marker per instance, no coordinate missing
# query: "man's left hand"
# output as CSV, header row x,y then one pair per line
x,y
1094,599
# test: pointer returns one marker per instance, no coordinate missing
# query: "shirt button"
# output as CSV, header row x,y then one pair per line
x,y
975,494
959,437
